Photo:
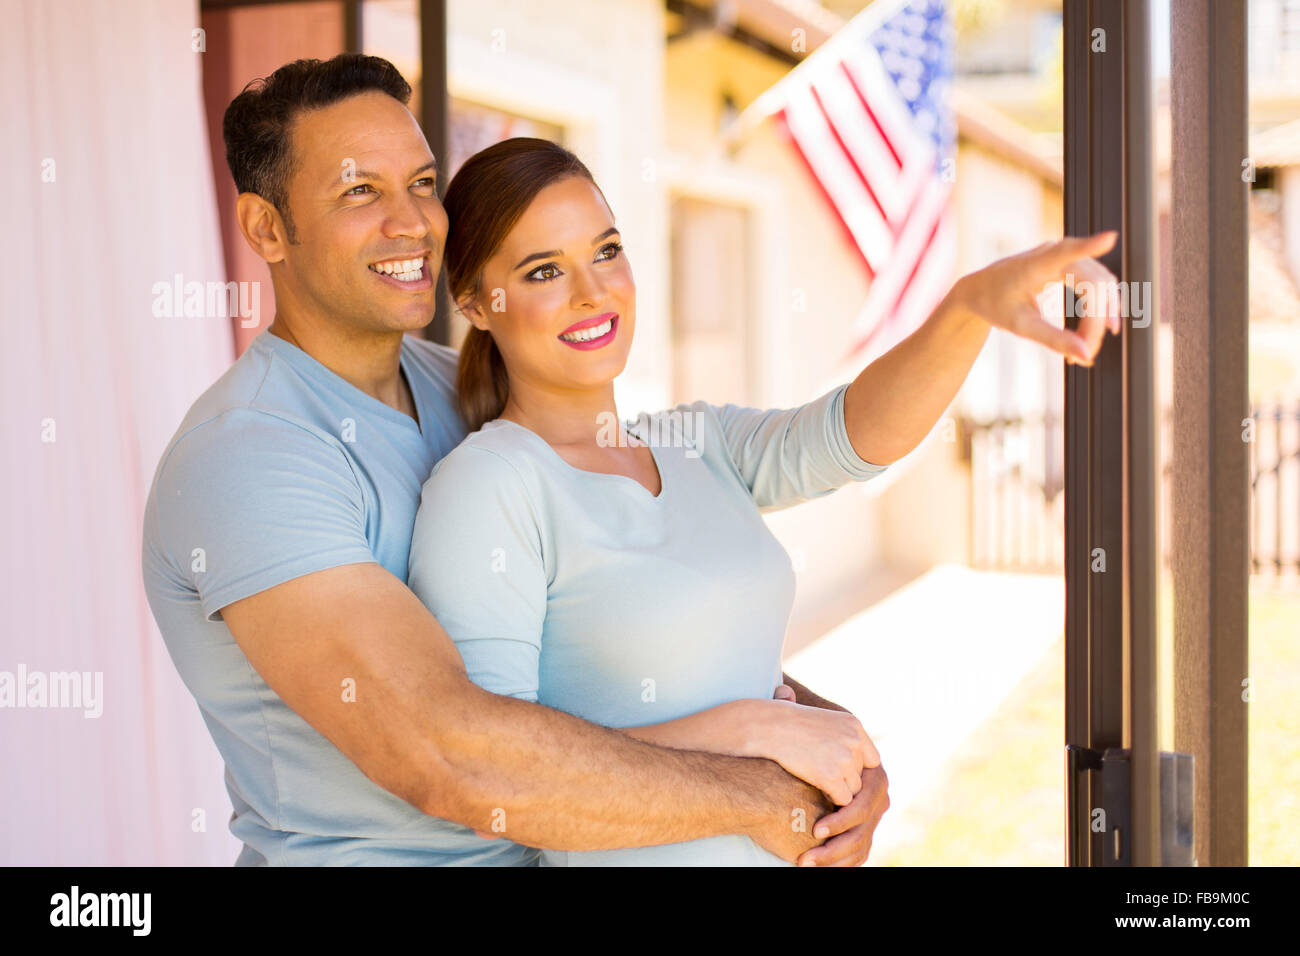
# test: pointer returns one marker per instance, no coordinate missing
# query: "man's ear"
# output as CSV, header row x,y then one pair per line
x,y
262,226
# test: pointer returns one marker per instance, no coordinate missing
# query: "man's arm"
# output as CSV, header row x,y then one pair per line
x,y
802,695
422,730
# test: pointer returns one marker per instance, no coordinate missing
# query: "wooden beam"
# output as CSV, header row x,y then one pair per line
x,y
1211,479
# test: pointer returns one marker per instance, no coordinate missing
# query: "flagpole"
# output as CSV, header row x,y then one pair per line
x,y
772,99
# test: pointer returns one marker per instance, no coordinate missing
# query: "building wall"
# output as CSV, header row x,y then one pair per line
x,y
596,68
1001,209
807,284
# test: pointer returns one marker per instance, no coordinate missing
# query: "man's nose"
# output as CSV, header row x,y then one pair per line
x,y
407,218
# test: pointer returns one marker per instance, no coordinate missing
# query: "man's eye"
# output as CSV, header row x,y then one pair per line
x,y
544,273
353,190
427,182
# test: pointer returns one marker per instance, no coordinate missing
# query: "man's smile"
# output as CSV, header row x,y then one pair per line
x,y
411,273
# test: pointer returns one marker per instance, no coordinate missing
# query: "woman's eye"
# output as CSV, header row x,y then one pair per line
x,y
544,273
611,251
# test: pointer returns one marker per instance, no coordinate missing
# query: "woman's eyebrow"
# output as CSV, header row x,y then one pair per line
x,y
559,252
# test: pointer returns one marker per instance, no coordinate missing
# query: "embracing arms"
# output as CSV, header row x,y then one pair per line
x,y
829,749
818,741
422,730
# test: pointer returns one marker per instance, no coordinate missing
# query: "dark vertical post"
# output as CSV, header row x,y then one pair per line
x,y
1075,54
1211,477
433,119
1109,449
1140,440
352,38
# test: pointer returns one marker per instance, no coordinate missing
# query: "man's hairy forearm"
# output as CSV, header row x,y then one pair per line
x,y
802,695
559,782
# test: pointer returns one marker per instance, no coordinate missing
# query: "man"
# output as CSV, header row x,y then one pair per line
x,y
278,526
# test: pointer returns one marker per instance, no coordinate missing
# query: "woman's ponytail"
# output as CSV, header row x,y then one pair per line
x,y
482,386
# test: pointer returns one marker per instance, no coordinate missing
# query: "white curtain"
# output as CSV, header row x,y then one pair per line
x,y
108,190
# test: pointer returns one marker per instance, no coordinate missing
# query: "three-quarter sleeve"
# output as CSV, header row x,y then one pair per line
x,y
785,456
476,562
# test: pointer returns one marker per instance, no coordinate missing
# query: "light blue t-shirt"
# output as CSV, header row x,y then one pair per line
x,y
281,469
586,593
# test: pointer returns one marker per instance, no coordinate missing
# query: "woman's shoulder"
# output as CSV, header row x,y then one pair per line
x,y
492,457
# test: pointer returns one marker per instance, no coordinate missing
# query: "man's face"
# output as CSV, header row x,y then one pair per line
x,y
369,226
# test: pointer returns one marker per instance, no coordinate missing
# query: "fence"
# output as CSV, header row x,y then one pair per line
x,y
1017,504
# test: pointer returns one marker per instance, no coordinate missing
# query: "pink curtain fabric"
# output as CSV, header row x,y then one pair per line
x,y
109,191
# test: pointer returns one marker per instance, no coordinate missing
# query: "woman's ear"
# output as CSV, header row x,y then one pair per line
x,y
470,309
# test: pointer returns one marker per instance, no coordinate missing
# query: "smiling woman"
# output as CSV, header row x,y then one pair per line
x,y
486,199
572,505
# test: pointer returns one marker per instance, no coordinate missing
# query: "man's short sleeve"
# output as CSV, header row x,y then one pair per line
x,y
249,500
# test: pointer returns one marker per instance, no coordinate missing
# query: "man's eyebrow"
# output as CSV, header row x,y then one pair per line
x,y
559,252
367,174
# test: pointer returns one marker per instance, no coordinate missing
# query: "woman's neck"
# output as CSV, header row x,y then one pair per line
x,y
572,418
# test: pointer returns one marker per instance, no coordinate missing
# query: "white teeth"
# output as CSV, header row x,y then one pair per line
x,y
407,270
586,335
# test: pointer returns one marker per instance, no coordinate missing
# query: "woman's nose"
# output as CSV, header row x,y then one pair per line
x,y
588,289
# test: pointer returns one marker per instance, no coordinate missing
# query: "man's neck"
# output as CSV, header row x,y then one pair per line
x,y
369,361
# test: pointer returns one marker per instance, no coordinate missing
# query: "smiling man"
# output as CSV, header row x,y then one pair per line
x,y
278,528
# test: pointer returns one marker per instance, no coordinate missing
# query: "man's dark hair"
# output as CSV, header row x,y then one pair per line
x,y
258,121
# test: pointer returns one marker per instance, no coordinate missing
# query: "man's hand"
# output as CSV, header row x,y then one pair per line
x,y
787,829
848,831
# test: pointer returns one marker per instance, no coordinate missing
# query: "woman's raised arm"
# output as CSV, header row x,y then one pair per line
x,y
895,401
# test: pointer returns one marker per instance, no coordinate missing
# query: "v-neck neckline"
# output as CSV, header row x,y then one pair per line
x,y
305,361
663,482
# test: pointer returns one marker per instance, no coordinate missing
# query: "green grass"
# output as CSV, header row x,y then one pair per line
x,y
1002,802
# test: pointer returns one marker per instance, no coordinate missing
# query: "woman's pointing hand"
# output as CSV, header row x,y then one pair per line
x,y
1012,292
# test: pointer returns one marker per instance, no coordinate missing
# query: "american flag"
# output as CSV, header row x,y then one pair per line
x,y
867,113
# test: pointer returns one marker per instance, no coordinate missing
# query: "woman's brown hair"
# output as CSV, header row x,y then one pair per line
x,y
484,200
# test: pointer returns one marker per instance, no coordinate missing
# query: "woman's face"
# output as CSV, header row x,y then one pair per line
x,y
558,295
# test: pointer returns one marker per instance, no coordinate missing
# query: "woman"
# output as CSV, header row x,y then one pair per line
x,y
621,572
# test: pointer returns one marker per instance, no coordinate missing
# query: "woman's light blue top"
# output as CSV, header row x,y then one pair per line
x,y
586,593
